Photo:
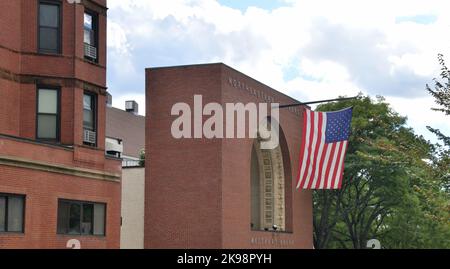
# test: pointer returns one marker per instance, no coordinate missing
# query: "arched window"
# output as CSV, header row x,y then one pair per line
x,y
270,187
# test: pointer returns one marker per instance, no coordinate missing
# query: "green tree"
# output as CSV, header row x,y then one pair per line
x,y
441,91
387,185
441,94
142,157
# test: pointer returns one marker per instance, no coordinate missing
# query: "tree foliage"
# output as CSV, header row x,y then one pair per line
x,y
142,157
441,94
441,90
389,191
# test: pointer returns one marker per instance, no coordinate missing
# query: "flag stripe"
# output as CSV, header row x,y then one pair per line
x,y
323,179
302,152
313,137
307,143
305,147
341,174
337,164
318,125
320,154
331,164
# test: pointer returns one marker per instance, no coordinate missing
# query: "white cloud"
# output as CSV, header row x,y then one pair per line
x,y
307,49
117,38
420,115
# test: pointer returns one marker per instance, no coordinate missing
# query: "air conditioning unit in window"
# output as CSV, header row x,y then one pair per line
x,y
90,51
89,137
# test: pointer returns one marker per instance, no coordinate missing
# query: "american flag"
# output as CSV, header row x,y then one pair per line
x,y
324,145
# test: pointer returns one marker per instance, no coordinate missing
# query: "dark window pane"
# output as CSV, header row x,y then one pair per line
x,y
87,223
88,21
88,112
47,125
2,213
88,120
88,37
49,15
92,39
87,102
99,219
48,39
15,214
74,219
81,218
63,217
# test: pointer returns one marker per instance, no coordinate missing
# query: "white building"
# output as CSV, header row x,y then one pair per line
x,y
125,138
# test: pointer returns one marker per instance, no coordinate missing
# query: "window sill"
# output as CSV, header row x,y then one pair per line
x,y
12,234
48,141
83,236
92,62
86,146
42,53
53,144
272,232
113,157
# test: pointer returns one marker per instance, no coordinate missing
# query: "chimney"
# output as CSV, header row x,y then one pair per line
x,y
132,107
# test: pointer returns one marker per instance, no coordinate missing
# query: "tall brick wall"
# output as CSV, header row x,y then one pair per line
x,y
198,190
11,26
9,107
183,178
236,163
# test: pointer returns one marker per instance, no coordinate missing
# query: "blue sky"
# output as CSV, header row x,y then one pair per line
x,y
420,19
244,4
307,49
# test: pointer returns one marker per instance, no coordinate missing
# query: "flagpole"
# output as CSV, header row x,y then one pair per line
x,y
318,102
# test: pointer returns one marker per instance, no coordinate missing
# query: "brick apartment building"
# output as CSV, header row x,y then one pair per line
x,y
56,184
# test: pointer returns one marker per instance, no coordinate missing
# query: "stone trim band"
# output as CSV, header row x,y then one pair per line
x,y
60,169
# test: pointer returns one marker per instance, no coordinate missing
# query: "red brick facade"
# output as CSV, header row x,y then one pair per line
x,y
69,169
198,190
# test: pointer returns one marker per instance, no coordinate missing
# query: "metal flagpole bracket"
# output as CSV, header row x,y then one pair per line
x,y
317,102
